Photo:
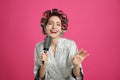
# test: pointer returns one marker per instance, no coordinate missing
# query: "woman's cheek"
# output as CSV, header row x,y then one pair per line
x,y
48,28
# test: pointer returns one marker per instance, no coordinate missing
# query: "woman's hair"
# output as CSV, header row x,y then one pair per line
x,y
54,12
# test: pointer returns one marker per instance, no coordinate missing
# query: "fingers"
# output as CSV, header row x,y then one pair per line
x,y
83,53
80,51
43,57
86,55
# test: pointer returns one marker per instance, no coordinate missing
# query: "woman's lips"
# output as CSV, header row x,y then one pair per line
x,y
53,31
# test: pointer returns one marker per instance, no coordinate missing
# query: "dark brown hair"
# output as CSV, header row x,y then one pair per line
x,y
54,12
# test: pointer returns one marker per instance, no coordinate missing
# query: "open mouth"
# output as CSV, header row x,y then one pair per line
x,y
54,31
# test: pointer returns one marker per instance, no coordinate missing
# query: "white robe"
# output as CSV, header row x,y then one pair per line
x,y
59,66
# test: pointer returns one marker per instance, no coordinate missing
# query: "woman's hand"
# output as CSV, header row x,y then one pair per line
x,y
79,57
44,57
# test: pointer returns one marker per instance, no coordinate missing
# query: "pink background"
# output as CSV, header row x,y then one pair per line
x,y
93,24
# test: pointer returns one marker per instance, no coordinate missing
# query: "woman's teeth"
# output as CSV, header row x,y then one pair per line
x,y
53,31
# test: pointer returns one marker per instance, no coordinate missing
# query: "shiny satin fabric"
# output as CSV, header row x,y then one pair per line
x,y
59,66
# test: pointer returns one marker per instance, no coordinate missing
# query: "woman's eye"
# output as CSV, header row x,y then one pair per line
x,y
58,24
49,23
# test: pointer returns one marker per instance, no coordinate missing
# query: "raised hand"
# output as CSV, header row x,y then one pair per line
x,y
79,57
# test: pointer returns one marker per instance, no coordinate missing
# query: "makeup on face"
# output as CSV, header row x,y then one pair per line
x,y
53,27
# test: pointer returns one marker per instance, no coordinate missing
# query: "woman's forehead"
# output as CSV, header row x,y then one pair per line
x,y
54,19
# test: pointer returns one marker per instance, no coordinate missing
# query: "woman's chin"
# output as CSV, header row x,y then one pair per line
x,y
54,35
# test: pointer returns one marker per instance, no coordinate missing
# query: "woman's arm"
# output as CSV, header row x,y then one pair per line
x,y
42,71
76,73
43,57
77,60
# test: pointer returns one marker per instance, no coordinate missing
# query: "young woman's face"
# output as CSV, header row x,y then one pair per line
x,y
53,27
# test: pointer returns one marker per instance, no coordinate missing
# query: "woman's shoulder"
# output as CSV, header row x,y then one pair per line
x,y
68,41
39,44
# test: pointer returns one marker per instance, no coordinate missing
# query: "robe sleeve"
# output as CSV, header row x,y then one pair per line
x,y
37,62
73,51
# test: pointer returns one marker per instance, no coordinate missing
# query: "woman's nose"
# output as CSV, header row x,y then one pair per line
x,y
54,26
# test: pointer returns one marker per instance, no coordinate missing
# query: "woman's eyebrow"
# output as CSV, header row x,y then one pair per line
x,y
50,21
53,21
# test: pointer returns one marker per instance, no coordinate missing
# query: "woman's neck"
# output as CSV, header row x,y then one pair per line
x,y
54,42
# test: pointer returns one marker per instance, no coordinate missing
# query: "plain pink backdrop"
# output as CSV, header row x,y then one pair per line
x,y
93,24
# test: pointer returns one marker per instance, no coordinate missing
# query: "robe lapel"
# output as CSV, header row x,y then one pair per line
x,y
52,67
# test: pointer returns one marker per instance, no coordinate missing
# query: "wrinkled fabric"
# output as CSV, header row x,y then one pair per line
x,y
59,66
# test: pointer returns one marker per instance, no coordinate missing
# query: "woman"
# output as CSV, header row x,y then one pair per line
x,y
63,60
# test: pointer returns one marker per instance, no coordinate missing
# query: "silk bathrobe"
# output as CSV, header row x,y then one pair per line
x,y
59,66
